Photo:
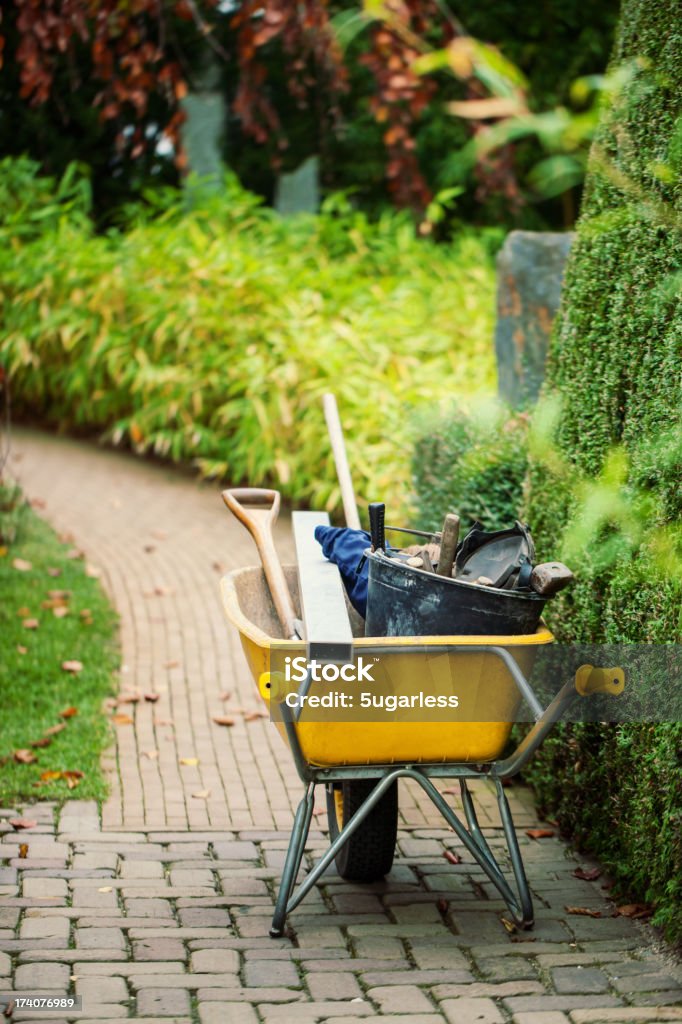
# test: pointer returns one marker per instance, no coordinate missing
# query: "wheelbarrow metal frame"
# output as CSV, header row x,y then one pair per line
x,y
518,901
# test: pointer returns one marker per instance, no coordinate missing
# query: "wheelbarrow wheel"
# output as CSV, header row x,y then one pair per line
x,y
368,854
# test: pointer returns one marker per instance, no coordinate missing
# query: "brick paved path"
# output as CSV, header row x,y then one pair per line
x,y
160,911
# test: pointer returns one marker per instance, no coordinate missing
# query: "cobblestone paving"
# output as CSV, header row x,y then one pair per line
x,y
160,909
173,926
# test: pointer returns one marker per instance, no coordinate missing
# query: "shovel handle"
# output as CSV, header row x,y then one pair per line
x,y
259,520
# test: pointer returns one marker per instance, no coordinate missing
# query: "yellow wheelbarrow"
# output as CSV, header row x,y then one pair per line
x,y
360,762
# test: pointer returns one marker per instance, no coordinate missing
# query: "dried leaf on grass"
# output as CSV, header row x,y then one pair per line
x,y
24,756
54,729
540,833
72,666
21,565
50,776
590,875
60,612
21,649
44,742
68,712
52,570
583,911
30,623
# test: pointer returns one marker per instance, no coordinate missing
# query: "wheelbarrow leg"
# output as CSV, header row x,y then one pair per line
x,y
472,822
525,899
299,834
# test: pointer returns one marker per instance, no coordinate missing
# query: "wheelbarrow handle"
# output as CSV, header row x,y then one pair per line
x,y
259,520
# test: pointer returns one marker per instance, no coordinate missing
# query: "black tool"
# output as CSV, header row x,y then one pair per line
x,y
377,517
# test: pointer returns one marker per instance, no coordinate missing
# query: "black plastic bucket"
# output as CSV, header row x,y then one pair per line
x,y
403,601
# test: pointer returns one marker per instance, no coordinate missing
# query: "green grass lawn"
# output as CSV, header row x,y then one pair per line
x,y
40,631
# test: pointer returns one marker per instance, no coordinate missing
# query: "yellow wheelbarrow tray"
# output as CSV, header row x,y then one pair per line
x,y
351,757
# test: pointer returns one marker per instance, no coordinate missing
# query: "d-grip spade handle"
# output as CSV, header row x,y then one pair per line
x,y
589,680
259,521
377,519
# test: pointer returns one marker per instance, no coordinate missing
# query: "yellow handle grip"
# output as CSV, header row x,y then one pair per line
x,y
589,679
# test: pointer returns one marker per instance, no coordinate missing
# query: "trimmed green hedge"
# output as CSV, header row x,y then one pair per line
x,y
615,361
472,464
208,335
603,489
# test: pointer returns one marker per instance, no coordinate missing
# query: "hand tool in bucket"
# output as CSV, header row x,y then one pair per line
x,y
259,519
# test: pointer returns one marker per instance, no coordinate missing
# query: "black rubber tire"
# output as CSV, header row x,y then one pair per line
x,y
368,854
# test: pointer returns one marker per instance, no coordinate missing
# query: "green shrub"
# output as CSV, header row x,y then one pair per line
x,y
208,335
472,464
615,361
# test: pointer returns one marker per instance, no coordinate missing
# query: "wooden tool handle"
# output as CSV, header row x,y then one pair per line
x,y
350,507
259,521
448,544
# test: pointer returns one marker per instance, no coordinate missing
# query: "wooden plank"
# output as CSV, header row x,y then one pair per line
x,y
323,602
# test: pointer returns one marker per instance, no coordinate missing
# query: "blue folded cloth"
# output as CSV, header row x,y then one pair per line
x,y
345,547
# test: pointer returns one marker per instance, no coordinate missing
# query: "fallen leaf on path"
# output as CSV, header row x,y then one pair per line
x,y
54,729
75,553
72,666
149,548
128,698
442,906
452,858
60,612
203,794
223,720
539,833
152,698
163,591
226,695
24,756
160,534
21,649
634,910
106,888
44,742
21,565
590,875
93,571
151,754
172,663
121,720
583,911
30,623
68,712
65,538
21,823
37,503
510,927
23,851
450,791
252,716
218,567
52,570
189,761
